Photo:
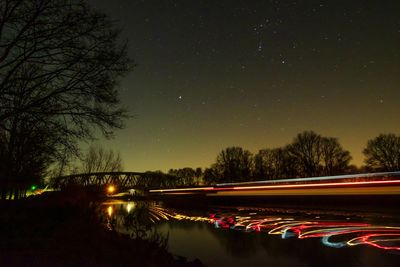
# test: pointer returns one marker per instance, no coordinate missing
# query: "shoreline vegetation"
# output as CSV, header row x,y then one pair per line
x,y
61,229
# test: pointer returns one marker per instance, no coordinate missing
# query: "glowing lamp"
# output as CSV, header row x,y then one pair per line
x,y
111,189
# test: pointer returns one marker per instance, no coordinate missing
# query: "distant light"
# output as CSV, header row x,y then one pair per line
x,y
111,189
33,187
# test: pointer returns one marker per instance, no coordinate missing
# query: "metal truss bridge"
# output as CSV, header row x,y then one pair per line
x,y
122,180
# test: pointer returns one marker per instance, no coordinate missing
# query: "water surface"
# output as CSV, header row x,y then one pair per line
x,y
250,236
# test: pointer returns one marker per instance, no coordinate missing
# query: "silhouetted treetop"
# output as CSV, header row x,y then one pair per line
x,y
273,164
233,164
60,59
383,153
98,159
316,155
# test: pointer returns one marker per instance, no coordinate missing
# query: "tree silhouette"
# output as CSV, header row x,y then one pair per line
x,y
273,164
24,155
233,164
198,176
186,176
211,176
335,160
306,149
316,155
157,179
383,153
98,159
59,64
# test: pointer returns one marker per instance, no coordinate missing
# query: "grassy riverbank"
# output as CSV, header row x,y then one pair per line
x,y
61,230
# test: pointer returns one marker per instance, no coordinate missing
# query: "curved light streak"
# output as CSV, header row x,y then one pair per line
x,y
325,240
366,234
377,242
348,233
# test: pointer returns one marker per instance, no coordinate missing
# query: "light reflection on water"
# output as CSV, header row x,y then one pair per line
x,y
199,233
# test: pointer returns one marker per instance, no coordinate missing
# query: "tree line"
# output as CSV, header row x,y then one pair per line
x,y
309,155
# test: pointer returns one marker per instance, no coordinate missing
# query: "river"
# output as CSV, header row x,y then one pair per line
x,y
256,236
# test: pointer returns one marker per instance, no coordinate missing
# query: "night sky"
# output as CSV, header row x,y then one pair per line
x,y
213,74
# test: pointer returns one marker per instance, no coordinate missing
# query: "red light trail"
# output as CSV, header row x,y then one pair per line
x,y
348,233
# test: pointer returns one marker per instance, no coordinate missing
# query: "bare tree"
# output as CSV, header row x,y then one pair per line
x,y
316,155
98,159
185,176
273,164
24,155
63,59
383,153
233,164
59,64
306,149
211,176
198,176
335,160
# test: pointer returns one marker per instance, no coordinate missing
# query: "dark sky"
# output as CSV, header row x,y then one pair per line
x,y
213,74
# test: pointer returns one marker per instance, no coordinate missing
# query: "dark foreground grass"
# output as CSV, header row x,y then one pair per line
x,y
62,230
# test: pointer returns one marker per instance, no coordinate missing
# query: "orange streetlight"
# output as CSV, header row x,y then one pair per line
x,y
110,189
